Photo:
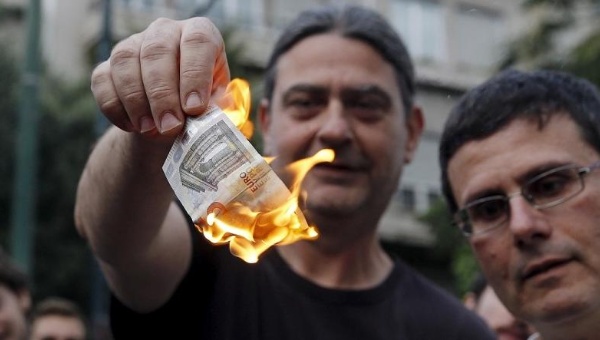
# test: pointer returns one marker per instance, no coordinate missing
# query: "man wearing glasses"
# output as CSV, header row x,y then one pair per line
x,y
519,156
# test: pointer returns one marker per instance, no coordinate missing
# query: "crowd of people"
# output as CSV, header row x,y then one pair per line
x,y
53,318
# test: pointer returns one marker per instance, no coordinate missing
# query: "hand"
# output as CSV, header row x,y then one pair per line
x,y
155,78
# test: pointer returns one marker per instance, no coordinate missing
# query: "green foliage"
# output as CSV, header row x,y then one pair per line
x,y
585,59
451,245
464,267
537,49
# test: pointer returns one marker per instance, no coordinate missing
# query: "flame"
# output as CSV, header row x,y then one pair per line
x,y
236,104
248,232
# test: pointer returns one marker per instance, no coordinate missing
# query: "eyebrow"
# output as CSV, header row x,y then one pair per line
x,y
368,91
304,88
346,92
522,179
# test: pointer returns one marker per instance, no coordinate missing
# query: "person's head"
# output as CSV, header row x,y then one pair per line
x,y
15,300
518,157
56,318
482,300
341,78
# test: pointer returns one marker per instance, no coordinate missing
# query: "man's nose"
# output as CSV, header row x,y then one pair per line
x,y
526,223
336,127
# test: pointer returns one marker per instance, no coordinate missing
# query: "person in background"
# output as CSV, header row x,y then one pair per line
x,y
338,78
520,156
56,318
15,300
482,299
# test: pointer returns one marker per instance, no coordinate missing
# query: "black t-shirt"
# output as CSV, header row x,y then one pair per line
x,y
224,298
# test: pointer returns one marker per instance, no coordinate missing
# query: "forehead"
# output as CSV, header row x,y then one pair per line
x,y
498,160
332,60
58,323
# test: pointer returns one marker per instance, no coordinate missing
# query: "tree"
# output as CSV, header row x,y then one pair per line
x,y
544,45
451,246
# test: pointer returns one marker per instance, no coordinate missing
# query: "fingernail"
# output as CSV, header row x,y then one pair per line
x,y
168,122
193,101
146,124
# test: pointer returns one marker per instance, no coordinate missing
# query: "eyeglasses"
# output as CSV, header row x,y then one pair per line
x,y
545,190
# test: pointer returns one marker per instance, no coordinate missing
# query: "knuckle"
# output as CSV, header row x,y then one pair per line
x,y
124,53
159,92
134,97
100,79
111,108
196,73
202,31
154,49
160,39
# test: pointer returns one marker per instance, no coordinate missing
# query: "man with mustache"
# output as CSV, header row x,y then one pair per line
x,y
519,157
339,79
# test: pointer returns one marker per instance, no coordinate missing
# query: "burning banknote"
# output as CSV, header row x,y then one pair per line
x,y
228,189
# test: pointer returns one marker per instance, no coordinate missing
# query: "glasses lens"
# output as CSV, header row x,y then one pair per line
x,y
553,187
487,213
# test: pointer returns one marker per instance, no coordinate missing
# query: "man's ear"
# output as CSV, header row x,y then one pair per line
x,y
264,118
415,122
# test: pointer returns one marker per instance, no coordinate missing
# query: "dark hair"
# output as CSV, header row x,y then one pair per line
x,y
11,275
351,22
511,95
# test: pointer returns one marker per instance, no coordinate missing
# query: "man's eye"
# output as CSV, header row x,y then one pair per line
x,y
302,107
302,103
367,109
488,211
551,186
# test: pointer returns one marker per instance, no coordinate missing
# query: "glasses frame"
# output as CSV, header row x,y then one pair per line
x,y
461,217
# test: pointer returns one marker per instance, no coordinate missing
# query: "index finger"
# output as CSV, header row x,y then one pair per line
x,y
203,64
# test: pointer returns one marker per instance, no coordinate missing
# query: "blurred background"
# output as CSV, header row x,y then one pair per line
x,y
49,122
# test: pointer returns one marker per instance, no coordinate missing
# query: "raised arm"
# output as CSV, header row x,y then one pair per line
x,y
124,205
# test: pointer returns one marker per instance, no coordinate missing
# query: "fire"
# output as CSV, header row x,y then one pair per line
x,y
236,104
249,232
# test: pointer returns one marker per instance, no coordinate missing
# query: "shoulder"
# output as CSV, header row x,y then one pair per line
x,y
444,313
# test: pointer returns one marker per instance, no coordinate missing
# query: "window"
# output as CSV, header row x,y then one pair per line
x,y
432,198
408,199
421,24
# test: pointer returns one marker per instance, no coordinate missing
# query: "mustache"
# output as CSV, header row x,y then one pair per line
x,y
543,257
